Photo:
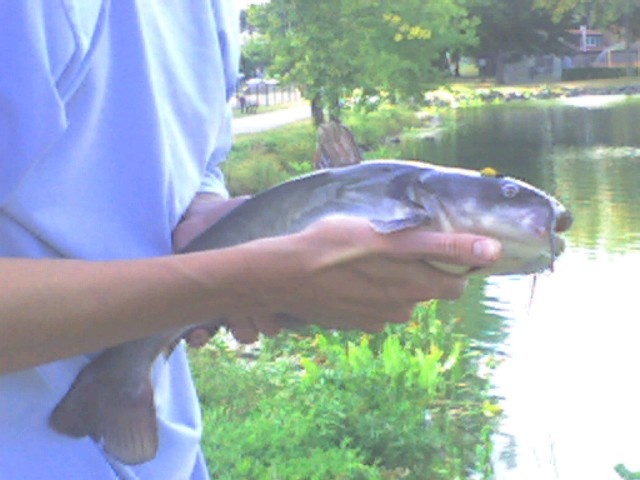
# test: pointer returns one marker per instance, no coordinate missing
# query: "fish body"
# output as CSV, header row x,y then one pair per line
x,y
397,194
112,397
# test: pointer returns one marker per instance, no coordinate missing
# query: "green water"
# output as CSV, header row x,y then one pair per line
x,y
570,359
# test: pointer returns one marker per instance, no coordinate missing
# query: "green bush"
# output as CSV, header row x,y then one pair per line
x,y
405,403
371,128
591,73
261,160
254,174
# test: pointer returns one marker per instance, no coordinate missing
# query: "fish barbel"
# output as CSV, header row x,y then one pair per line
x,y
112,400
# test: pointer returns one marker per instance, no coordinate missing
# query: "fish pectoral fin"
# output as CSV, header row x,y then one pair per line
x,y
120,418
397,224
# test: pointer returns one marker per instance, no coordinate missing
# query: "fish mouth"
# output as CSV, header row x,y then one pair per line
x,y
532,247
562,222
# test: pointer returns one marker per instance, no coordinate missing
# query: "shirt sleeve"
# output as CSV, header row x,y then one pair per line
x,y
213,179
228,33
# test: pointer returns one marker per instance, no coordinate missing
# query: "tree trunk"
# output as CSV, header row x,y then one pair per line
x,y
500,79
628,42
334,111
316,110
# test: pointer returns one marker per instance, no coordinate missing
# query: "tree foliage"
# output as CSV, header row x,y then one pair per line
x,y
257,54
600,13
331,48
519,27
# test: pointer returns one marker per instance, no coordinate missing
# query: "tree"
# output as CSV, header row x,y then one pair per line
x,y
510,29
409,45
331,48
256,55
600,13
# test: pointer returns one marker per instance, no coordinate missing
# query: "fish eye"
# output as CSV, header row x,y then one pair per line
x,y
510,190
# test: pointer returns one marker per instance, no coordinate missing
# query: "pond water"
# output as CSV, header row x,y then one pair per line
x,y
569,361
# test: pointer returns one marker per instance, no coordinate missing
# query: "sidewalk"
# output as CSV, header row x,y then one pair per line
x,y
266,121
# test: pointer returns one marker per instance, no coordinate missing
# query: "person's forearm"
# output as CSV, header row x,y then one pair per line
x,y
52,309
338,273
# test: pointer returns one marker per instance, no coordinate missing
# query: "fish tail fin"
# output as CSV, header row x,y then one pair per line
x,y
336,147
121,418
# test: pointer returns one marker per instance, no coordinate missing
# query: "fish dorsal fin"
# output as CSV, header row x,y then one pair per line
x,y
336,147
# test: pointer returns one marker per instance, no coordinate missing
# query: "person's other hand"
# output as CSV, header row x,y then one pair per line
x,y
204,210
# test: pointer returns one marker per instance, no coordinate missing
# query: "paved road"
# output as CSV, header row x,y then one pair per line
x,y
266,121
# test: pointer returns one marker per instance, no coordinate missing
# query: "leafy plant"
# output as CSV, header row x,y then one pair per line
x,y
371,128
405,403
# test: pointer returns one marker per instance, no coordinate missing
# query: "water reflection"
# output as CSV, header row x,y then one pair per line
x,y
569,378
601,185
569,383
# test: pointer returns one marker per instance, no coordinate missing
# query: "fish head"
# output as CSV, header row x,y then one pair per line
x,y
526,220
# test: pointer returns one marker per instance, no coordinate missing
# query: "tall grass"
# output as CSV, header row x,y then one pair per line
x,y
258,161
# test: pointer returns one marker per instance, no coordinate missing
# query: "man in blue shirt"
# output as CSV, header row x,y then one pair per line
x,y
114,117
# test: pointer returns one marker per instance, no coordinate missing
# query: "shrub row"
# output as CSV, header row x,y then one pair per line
x,y
591,73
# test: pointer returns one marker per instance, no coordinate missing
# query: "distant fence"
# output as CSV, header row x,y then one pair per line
x,y
265,94
607,58
618,58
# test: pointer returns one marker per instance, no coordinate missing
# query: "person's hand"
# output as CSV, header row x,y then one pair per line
x,y
340,273
204,210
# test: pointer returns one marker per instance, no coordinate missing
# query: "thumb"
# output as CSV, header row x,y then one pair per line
x,y
456,248
464,249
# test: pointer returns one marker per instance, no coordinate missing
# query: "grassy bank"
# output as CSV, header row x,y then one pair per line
x,y
260,160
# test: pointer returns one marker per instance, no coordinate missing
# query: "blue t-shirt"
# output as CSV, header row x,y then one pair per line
x,y
113,114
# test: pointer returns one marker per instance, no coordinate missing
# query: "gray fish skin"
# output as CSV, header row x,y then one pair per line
x,y
112,401
395,195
